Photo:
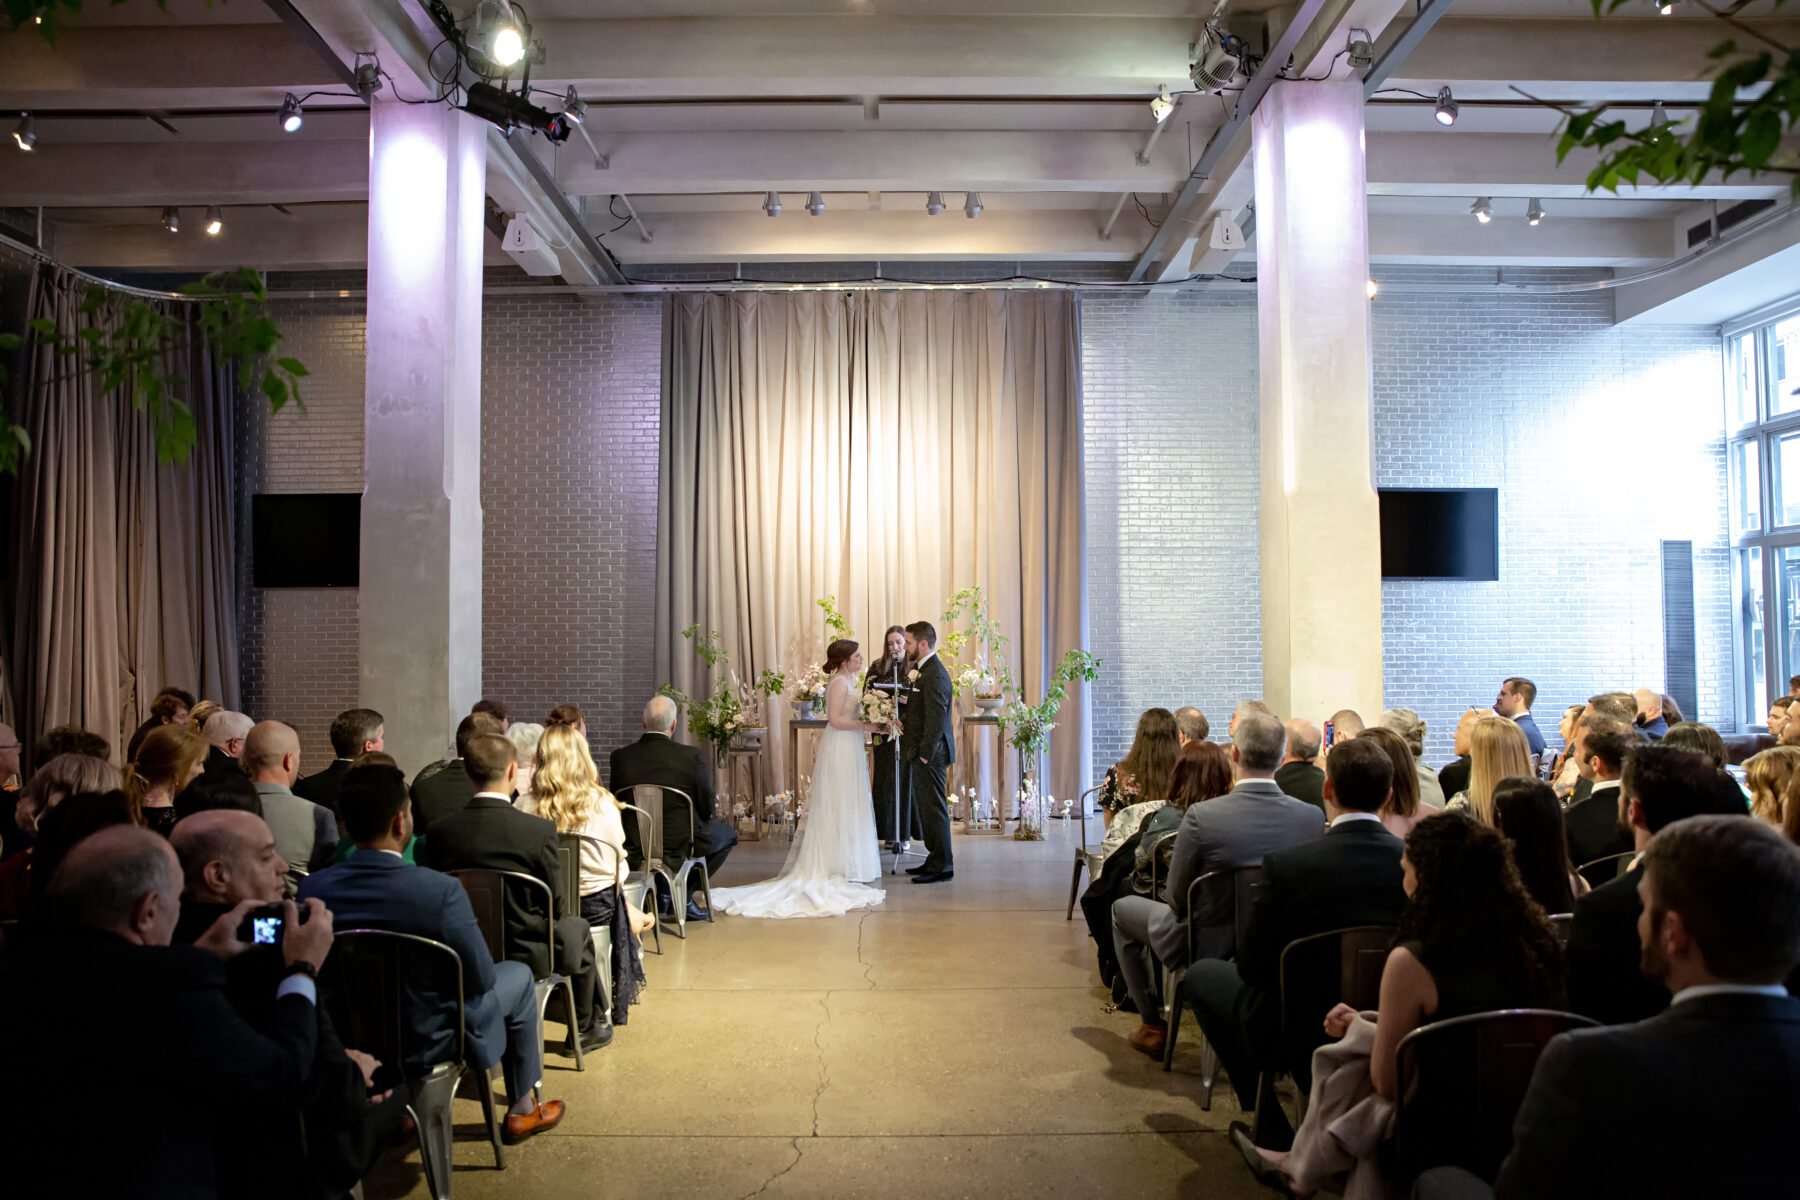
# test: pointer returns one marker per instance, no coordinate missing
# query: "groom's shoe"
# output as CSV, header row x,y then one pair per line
x,y
935,877
918,870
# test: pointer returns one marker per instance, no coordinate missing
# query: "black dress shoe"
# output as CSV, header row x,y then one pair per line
x,y
695,912
935,877
597,1036
918,870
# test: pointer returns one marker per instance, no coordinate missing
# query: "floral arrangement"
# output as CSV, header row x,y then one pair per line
x,y
1033,811
1031,724
879,708
812,684
733,706
990,675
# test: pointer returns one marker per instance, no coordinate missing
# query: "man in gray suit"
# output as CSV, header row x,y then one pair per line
x,y
305,833
1255,818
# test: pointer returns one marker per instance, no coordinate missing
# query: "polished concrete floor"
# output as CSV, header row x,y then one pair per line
x,y
951,1043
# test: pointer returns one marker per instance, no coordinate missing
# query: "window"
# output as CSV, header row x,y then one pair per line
x,y
1762,423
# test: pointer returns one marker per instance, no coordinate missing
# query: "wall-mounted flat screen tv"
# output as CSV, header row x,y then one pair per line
x,y
1440,533
306,540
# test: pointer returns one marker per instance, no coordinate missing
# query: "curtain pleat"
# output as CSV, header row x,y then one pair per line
x,y
887,448
124,568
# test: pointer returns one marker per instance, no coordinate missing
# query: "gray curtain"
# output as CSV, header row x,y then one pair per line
x,y
123,578
888,448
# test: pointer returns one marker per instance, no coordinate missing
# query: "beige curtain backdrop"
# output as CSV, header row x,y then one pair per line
x,y
888,448
123,567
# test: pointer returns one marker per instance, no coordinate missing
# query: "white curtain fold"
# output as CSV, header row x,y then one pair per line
x,y
887,448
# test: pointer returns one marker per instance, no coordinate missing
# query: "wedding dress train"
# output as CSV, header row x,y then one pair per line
x,y
835,849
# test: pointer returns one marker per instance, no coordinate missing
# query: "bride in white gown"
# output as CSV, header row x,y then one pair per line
x,y
836,851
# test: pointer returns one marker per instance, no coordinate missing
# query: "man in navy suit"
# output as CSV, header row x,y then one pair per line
x,y
375,889
1514,702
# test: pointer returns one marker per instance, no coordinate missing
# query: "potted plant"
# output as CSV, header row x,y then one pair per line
x,y
809,693
1030,724
987,679
731,717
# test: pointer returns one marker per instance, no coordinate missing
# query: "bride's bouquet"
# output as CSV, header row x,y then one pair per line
x,y
879,708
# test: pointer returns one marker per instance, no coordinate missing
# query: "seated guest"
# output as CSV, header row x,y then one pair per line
x,y
1790,734
1142,776
69,739
1454,777
1528,814
224,732
442,788
1563,771
169,757
1649,719
1723,898
169,707
491,834
1299,775
1470,940
1778,714
1235,829
1601,747
567,714
305,833
1245,708
1699,739
525,736
63,776
1768,775
566,792
1514,703
1497,750
1345,725
1190,725
60,828
1350,876
1411,728
658,759
174,1059
375,889
202,712
228,860
1660,786
1402,810
353,731
221,782
492,708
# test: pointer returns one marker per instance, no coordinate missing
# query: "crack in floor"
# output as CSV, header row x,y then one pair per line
x,y
769,1182
824,1074
866,966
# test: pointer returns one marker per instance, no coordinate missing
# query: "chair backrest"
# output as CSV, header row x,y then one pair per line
x,y
1603,872
1338,965
372,984
568,856
486,889
1081,812
1236,886
1560,924
650,799
1461,1083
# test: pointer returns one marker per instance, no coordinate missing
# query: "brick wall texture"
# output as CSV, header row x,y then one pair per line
x,y
1602,440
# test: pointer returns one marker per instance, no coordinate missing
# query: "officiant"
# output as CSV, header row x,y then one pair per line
x,y
883,670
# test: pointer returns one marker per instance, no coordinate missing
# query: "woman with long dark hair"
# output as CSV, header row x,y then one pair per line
x,y
1530,817
893,656
1142,776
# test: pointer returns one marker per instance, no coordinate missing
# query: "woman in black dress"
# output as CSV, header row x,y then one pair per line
x,y
893,647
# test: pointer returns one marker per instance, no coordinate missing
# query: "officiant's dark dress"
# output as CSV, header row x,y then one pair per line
x,y
882,783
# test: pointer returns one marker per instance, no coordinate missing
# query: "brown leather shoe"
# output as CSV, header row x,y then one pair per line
x,y
518,1128
1150,1039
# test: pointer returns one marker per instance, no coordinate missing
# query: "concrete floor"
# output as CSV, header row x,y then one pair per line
x,y
951,1043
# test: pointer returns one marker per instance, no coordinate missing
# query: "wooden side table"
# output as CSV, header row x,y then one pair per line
x,y
749,759
971,729
816,724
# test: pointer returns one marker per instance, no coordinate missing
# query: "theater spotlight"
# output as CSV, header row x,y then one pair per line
x,y
215,220
971,205
511,110
1447,108
815,203
25,132
171,219
1535,214
772,203
574,107
934,204
290,113
499,33
1483,210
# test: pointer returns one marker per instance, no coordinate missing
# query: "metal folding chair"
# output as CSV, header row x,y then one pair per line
x,y
1085,859
1561,923
1620,863
568,855
647,803
365,988
486,889
1245,883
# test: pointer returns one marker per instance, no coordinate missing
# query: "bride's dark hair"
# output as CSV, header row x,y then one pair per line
x,y
838,653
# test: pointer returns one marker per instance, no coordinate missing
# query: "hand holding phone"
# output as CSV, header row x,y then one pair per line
x,y
1330,736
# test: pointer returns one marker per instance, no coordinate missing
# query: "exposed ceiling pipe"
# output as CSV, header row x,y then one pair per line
x,y
1405,44
643,234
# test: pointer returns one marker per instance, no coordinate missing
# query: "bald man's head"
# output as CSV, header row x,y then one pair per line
x,y
227,856
272,754
1303,740
1649,704
659,714
124,880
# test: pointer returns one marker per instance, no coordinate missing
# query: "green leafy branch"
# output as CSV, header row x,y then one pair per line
x,y
1031,723
983,632
1729,135
834,620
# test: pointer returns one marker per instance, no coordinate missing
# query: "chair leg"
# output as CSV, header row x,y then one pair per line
x,y
575,1031
1172,1010
430,1109
1075,884
1209,1071
484,1087
678,901
706,889
602,942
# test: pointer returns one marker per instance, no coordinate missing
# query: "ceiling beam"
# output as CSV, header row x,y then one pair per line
x,y
1592,242
178,172
1445,163
158,67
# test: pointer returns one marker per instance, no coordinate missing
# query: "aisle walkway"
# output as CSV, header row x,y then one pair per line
x,y
949,1044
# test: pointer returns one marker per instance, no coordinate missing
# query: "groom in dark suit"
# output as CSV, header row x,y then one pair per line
x,y
927,749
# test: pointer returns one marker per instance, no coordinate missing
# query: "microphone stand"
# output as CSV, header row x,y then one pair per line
x,y
900,837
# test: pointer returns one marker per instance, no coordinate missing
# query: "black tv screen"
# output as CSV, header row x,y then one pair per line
x,y
1440,533
306,540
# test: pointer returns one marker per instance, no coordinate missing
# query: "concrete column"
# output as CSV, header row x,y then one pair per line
x,y
420,596
1321,546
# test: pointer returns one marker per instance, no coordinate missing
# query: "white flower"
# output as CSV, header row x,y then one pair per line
x,y
912,677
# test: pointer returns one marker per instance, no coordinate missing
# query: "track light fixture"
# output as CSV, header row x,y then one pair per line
x,y
25,132
1658,119
815,203
499,33
934,204
1665,7
1483,209
1447,108
772,203
215,220
367,78
1535,214
1162,105
171,219
574,107
971,205
290,113
511,110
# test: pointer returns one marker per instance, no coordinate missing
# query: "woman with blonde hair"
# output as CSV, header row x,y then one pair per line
x,y
63,776
169,758
1768,775
566,791
1497,750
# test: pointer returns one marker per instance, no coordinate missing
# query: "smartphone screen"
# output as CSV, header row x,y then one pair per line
x,y
1330,734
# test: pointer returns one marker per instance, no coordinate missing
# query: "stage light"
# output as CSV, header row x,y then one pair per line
x,y
772,203
1373,288
25,132
971,205
1447,108
815,203
171,219
934,204
290,113
1162,105
574,107
499,35
1665,7
1483,210
511,110
1535,214
215,220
